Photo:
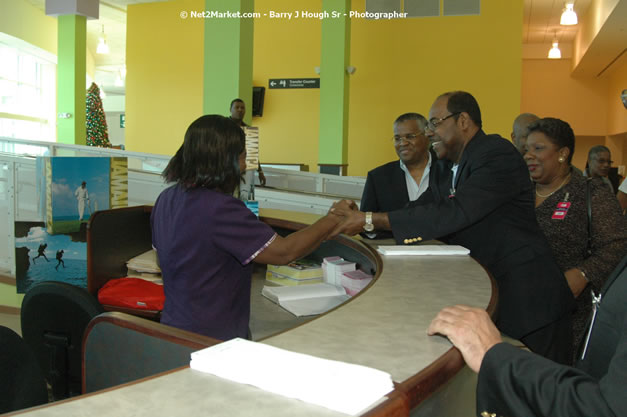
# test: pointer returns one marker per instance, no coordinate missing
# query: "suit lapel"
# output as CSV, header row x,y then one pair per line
x,y
400,183
466,156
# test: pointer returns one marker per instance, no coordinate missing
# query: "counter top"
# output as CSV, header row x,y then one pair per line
x,y
384,327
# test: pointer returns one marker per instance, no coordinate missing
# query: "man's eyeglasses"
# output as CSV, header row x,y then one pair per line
x,y
604,161
435,122
408,138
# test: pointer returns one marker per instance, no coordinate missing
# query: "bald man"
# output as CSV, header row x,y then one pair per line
x,y
521,130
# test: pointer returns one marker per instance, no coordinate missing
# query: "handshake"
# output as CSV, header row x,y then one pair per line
x,y
350,220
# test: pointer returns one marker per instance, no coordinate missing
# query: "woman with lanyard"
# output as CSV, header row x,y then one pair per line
x,y
587,246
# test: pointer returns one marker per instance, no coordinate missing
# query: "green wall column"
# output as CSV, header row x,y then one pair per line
x,y
228,60
334,83
71,69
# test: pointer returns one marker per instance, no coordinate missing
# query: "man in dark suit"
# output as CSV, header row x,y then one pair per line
x,y
391,186
482,199
513,382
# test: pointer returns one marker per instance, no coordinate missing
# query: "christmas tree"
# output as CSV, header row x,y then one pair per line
x,y
96,122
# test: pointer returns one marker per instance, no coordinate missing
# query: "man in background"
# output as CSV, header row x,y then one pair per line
x,y
391,186
520,130
82,195
238,111
599,164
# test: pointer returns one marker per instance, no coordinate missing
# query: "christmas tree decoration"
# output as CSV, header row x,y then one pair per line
x,y
95,117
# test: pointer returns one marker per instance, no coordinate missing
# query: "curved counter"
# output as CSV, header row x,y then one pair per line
x,y
384,327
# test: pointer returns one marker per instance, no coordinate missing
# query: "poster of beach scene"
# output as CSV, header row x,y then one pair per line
x,y
76,187
40,256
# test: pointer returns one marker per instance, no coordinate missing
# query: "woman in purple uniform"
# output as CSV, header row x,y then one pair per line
x,y
206,240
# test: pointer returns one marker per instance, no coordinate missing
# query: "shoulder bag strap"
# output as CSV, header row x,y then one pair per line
x,y
589,209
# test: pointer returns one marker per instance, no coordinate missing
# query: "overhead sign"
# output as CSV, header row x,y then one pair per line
x,y
294,83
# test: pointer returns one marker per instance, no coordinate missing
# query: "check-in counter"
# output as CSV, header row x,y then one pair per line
x,y
383,327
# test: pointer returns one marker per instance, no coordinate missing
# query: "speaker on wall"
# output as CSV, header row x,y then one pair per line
x,y
258,96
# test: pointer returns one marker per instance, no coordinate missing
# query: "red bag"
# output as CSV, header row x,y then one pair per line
x,y
134,293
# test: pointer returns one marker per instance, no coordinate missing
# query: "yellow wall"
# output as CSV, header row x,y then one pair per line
x,y
287,49
401,66
164,62
22,20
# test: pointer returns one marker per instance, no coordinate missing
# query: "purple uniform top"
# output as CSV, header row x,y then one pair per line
x,y
205,241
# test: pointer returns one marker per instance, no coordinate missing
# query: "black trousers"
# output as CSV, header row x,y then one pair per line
x,y
553,341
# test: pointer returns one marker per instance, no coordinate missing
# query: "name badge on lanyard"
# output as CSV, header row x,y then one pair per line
x,y
562,209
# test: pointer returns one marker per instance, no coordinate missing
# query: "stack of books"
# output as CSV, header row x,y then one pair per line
x,y
300,272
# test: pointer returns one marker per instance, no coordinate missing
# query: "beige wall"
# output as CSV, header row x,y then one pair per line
x,y
590,105
549,90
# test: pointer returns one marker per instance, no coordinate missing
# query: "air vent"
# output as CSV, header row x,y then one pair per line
x,y
425,8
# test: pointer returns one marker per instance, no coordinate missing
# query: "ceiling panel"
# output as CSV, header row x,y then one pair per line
x,y
542,20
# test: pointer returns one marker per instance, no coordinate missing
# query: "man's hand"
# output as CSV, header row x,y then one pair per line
x,y
352,221
470,329
576,281
343,207
351,224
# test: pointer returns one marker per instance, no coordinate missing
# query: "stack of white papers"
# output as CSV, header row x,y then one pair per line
x,y
145,262
306,300
423,250
339,386
335,268
355,281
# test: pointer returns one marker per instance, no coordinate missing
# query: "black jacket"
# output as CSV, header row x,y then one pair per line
x,y
490,211
516,383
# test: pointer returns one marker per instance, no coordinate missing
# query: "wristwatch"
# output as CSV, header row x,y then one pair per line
x,y
368,227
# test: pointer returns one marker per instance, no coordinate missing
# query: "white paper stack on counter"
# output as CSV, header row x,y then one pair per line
x,y
325,269
145,266
355,281
339,386
333,267
306,300
423,250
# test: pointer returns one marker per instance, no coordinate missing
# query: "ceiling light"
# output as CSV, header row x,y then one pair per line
x,y
554,52
569,17
102,48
